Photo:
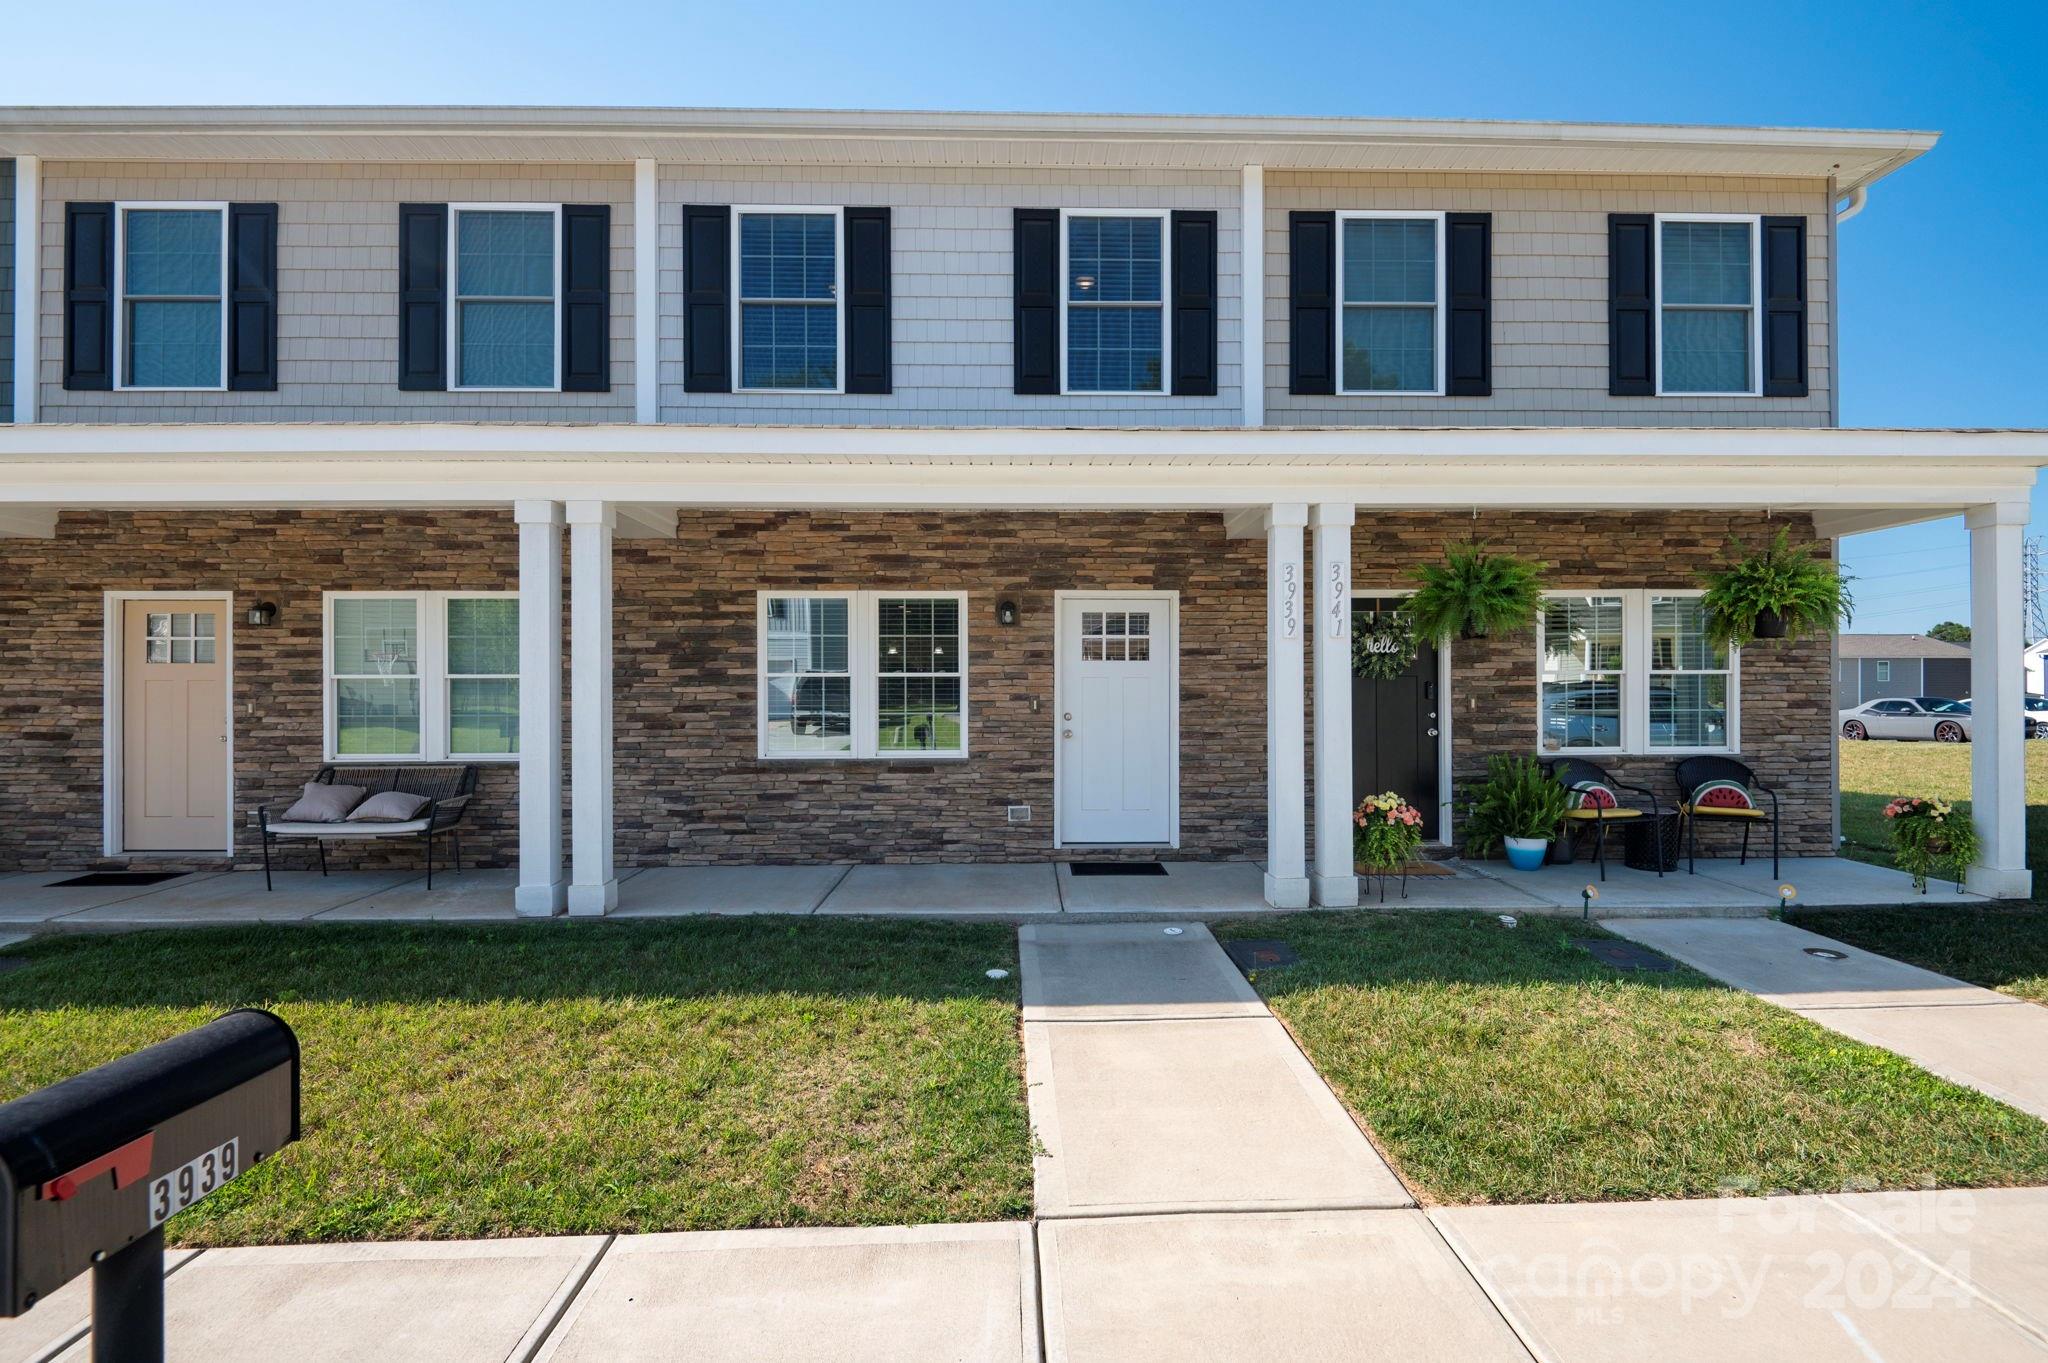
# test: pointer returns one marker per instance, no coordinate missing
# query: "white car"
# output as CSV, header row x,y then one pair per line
x,y
1923,717
2036,708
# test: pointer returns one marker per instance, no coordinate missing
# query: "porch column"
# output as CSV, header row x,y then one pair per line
x,y
1286,709
1998,783
593,885
1336,879
541,891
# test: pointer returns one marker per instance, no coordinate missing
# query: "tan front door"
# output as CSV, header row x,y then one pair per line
x,y
174,716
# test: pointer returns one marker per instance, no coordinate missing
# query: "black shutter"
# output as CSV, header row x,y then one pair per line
x,y
1631,307
867,300
1784,306
1312,303
423,298
252,298
1035,344
1468,251
88,297
1194,304
587,299
707,305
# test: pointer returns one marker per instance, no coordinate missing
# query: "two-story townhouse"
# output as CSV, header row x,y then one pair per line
x,y
881,486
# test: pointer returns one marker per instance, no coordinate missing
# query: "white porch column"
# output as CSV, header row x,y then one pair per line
x,y
1336,877
1998,782
593,884
646,293
1287,608
541,891
28,284
1251,270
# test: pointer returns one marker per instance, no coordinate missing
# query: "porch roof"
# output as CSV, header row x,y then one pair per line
x,y
1853,480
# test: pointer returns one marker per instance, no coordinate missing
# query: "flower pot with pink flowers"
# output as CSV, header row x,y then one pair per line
x,y
1387,831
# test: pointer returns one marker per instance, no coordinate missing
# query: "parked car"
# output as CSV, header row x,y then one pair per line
x,y
1921,717
2036,710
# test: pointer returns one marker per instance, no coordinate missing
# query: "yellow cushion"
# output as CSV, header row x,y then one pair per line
x,y
1609,813
1713,811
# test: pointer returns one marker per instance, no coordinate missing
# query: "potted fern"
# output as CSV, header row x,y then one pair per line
x,y
1518,807
1474,593
1779,592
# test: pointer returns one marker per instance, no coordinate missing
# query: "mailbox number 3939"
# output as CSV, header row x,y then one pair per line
x,y
171,1193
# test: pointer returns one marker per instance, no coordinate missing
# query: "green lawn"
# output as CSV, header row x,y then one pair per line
x,y
1874,772
568,1078
2000,946
1507,1065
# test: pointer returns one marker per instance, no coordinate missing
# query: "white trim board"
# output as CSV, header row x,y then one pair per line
x,y
112,653
1171,600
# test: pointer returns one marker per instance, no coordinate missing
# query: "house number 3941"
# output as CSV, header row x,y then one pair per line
x,y
1338,610
1290,601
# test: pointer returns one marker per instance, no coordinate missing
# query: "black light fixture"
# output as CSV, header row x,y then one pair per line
x,y
261,614
1006,612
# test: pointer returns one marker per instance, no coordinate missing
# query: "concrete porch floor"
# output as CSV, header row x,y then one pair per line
x,y
31,901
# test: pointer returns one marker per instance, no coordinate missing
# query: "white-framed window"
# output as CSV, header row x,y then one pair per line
x,y
1114,264
1632,672
788,329
1884,671
170,276
1390,280
1709,326
421,675
505,331
851,675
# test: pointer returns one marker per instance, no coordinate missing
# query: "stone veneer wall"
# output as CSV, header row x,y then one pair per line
x,y
689,787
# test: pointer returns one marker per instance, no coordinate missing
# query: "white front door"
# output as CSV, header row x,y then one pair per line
x,y
174,728
1116,719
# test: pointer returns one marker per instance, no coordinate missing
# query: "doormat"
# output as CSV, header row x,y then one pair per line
x,y
1626,955
119,878
1116,868
1254,953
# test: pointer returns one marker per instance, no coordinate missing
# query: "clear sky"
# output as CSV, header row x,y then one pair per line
x,y
1943,292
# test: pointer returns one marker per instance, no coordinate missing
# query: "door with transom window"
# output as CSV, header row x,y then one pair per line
x,y
1116,730
174,725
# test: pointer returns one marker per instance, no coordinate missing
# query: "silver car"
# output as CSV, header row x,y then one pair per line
x,y
1909,717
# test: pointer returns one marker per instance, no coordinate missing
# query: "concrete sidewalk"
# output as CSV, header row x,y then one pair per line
x,y
1989,1041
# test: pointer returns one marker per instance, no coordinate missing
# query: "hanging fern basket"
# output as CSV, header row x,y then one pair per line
x,y
1382,645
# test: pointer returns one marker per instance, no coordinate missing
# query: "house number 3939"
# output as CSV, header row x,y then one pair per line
x,y
1338,610
1290,602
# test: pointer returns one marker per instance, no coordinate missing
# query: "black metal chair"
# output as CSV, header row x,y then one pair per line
x,y
1697,778
1600,804
446,787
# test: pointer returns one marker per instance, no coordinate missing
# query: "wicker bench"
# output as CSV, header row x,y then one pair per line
x,y
447,789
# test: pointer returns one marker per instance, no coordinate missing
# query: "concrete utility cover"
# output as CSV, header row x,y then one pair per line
x,y
1262,953
1314,1285
1096,971
1625,955
894,1294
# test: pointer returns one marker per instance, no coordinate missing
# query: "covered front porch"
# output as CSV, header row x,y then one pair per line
x,y
647,712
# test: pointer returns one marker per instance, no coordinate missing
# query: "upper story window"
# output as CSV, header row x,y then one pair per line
x,y
1707,284
1390,266
172,317
1115,302
788,315
507,271
1632,672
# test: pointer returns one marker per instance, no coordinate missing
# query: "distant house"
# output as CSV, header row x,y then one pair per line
x,y
2037,678
1872,666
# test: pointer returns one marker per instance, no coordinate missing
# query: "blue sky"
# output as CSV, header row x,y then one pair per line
x,y
1942,296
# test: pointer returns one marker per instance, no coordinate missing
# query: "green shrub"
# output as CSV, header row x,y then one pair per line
x,y
1518,799
1805,592
1474,593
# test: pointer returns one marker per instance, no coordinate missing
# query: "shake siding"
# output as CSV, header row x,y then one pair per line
x,y
1550,296
951,317
337,262
6,290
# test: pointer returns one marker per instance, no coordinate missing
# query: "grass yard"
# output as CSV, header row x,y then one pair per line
x,y
570,1078
1875,771
1498,1065
2000,946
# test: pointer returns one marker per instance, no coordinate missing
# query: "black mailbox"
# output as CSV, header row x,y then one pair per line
x,y
93,1166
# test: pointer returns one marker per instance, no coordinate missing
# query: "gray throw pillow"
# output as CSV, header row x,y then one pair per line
x,y
389,806
323,803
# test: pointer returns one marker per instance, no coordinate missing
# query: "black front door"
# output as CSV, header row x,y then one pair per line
x,y
1394,720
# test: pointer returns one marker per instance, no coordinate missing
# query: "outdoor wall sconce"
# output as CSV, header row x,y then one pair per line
x,y
262,613
1006,613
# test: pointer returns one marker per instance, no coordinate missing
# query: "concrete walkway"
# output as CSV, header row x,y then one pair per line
x,y
1989,1041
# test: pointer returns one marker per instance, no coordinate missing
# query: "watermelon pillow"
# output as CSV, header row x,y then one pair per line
x,y
1593,795
1722,795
